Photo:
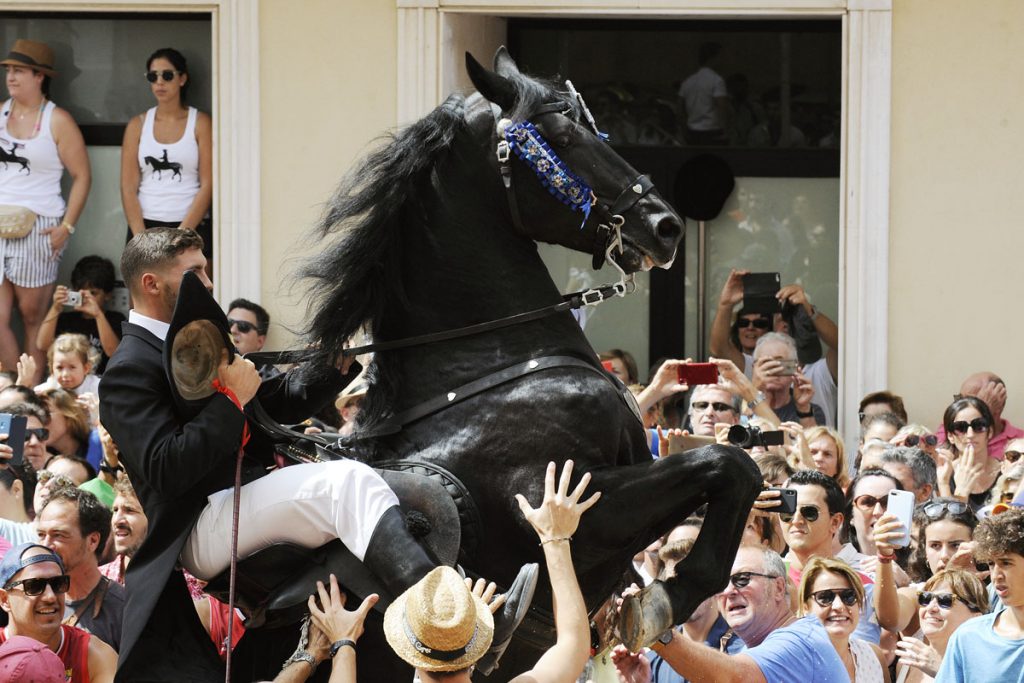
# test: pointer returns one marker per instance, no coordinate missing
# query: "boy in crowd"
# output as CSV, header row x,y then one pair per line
x,y
991,647
93,280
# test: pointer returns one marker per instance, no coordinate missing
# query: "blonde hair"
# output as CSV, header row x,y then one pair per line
x,y
77,344
820,565
963,585
842,476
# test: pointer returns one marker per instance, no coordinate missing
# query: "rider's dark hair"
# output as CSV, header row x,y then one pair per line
x,y
177,60
154,248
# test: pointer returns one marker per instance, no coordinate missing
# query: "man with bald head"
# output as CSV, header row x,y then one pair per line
x,y
989,387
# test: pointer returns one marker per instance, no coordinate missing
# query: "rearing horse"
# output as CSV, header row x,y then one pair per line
x,y
426,237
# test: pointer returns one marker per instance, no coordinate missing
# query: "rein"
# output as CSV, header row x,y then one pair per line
x,y
573,301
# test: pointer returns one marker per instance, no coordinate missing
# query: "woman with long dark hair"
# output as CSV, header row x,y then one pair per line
x,y
167,156
968,424
38,142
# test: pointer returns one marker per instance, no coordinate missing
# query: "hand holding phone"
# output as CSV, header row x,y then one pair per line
x,y
901,505
692,374
14,427
787,501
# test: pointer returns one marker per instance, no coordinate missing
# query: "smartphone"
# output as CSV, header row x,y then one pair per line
x,y
693,374
14,427
788,367
901,504
687,442
759,293
74,299
787,500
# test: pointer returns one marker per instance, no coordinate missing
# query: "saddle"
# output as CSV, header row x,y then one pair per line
x,y
274,584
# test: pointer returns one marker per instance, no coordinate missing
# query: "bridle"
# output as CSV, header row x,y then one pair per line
x,y
526,142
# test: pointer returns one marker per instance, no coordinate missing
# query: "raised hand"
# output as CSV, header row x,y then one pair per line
x,y
331,617
558,515
918,654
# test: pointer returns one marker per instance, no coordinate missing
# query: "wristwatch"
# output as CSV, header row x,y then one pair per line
x,y
666,637
300,656
338,644
757,400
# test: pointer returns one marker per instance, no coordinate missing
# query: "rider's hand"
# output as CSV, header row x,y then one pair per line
x,y
241,377
331,617
558,515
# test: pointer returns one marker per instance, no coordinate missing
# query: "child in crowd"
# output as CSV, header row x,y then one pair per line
x,y
71,360
93,279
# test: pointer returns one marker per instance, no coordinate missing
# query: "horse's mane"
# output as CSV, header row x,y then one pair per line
x,y
348,279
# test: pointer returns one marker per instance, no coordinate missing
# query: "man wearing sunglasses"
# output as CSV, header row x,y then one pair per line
x,y
33,588
811,530
711,404
991,647
755,604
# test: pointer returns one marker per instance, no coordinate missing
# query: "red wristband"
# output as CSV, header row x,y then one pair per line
x,y
220,388
886,559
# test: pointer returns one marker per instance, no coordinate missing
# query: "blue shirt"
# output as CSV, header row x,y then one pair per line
x,y
662,672
800,652
978,654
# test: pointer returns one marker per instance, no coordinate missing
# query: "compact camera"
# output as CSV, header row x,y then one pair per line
x,y
74,299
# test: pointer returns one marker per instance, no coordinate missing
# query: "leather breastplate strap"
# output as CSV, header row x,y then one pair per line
x,y
438,403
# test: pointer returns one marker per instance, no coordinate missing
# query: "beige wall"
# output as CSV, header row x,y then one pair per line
x,y
327,91
957,203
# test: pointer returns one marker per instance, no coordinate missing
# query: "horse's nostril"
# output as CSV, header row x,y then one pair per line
x,y
669,229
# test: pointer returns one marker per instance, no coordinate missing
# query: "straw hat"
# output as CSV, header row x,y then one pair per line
x,y
33,54
438,625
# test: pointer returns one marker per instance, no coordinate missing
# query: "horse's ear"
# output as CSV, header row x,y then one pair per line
x,y
492,86
504,65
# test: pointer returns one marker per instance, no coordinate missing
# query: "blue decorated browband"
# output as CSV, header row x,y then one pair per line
x,y
529,145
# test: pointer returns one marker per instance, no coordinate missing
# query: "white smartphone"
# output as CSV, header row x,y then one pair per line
x,y
901,504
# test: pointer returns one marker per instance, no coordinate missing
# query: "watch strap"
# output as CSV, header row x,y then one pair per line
x,y
338,644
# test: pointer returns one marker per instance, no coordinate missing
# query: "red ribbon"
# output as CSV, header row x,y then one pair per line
x,y
220,388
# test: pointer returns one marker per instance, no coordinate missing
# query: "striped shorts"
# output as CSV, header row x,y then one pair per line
x,y
29,261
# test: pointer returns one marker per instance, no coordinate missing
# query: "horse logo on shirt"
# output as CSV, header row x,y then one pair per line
x,y
161,165
12,157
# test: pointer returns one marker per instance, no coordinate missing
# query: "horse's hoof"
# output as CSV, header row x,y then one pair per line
x,y
644,617
508,618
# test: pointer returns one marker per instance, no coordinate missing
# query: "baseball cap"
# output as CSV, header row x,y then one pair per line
x,y
25,659
13,562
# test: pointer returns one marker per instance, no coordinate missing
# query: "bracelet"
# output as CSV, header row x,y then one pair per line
x,y
556,540
886,559
757,400
338,644
300,656
70,228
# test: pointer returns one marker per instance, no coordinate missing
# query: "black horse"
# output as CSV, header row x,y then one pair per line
x,y
161,165
13,158
426,237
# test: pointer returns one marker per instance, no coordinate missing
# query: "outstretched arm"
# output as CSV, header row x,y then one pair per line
x,y
720,344
555,521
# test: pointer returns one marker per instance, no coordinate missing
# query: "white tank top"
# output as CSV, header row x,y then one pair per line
x,y
169,173
30,170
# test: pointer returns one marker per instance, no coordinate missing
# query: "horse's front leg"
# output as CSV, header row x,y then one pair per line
x,y
656,497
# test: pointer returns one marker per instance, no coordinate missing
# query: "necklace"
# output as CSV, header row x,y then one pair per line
x,y
39,116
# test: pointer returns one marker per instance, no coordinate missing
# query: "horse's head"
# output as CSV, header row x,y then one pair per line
x,y
565,183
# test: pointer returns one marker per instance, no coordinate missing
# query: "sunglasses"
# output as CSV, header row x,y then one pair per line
x,y
945,600
827,598
810,513
1011,456
742,579
166,74
929,440
935,510
33,587
978,424
699,406
759,323
867,503
41,433
244,326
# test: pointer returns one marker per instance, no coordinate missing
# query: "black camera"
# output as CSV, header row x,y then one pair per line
x,y
749,437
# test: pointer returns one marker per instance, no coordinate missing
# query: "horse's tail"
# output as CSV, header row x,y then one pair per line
x,y
369,209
